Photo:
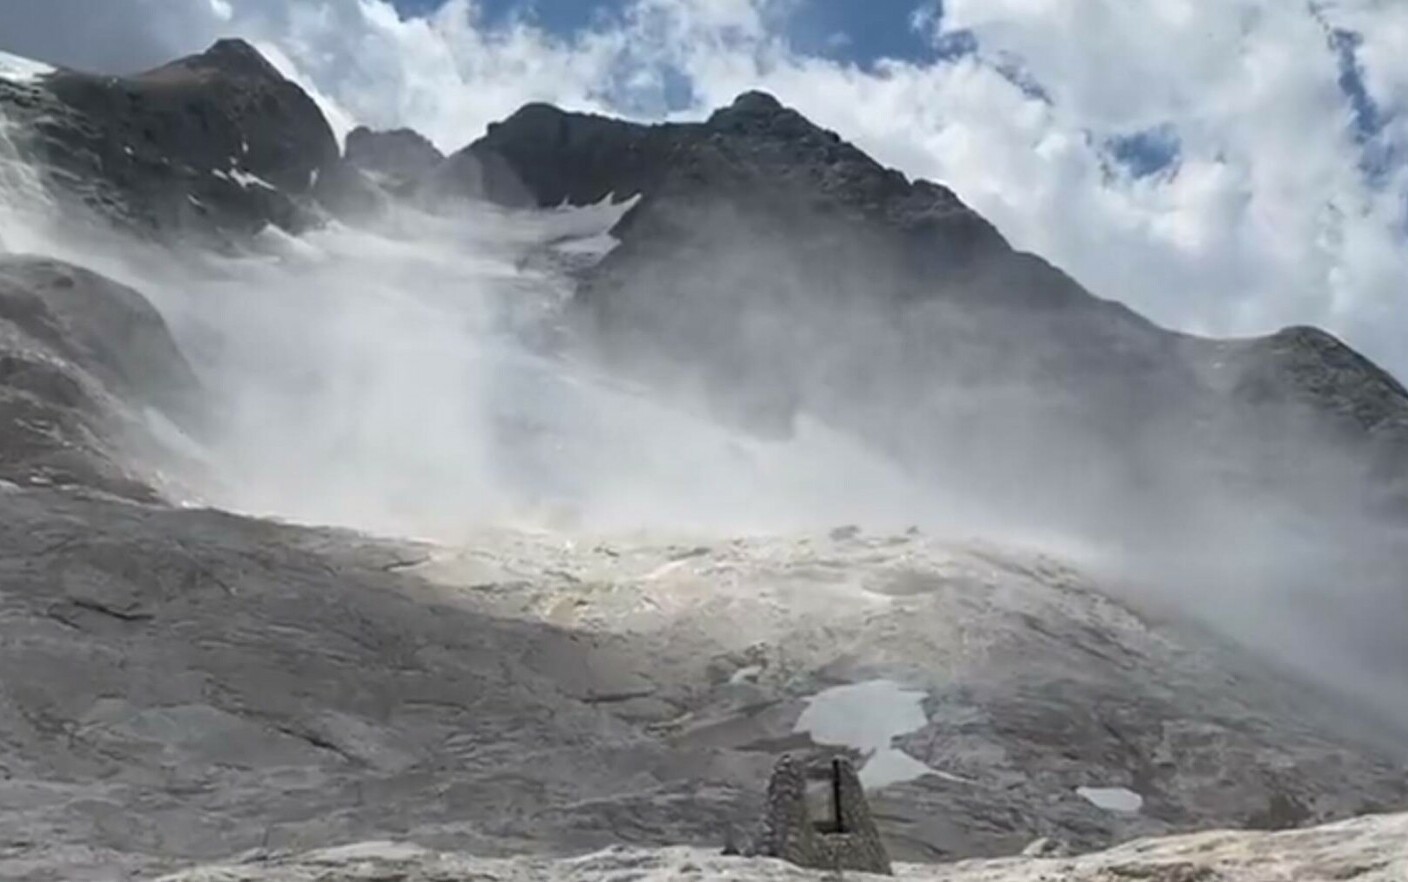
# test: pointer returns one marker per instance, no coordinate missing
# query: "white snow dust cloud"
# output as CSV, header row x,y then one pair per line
x,y
394,379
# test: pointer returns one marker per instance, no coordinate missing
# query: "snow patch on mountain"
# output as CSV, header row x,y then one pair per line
x,y
18,69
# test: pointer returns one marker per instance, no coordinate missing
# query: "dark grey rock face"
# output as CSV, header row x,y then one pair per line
x,y
398,157
378,168
544,156
217,144
82,361
782,271
1313,369
1306,374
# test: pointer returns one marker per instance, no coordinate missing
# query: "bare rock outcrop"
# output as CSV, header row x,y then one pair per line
x,y
216,145
86,366
396,158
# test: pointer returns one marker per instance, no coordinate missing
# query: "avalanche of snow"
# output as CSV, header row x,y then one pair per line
x,y
393,379
1112,799
868,717
25,205
22,70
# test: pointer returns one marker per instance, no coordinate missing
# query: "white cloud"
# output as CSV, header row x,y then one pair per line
x,y
1268,218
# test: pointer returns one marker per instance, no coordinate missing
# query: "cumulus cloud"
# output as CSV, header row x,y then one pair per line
x,y
1225,166
1269,216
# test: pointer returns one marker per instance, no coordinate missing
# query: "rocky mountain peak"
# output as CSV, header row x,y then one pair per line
x,y
542,155
794,155
532,112
1313,370
218,143
364,142
755,112
230,57
754,102
395,157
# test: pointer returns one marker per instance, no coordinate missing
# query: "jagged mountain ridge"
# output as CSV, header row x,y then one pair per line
x,y
771,265
216,145
784,270
399,157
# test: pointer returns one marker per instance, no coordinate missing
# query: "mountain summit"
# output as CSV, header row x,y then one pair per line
x,y
215,145
784,272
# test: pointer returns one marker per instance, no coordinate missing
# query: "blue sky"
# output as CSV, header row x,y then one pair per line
x,y
846,30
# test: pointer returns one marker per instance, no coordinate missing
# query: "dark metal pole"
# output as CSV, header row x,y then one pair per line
x,y
836,794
